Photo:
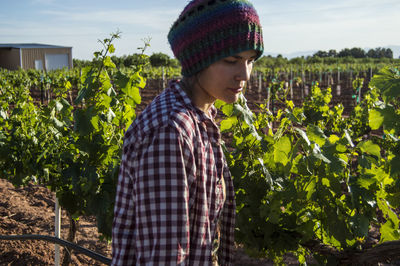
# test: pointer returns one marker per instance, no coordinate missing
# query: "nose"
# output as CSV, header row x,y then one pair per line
x,y
244,71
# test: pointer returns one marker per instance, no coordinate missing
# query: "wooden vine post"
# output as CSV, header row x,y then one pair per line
x,y
338,87
259,86
57,232
291,83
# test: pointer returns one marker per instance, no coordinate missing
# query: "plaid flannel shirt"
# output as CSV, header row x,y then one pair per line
x,y
169,196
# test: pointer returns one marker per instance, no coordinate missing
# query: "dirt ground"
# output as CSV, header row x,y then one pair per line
x,y
30,210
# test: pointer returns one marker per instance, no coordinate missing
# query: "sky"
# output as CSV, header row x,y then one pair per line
x,y
289,26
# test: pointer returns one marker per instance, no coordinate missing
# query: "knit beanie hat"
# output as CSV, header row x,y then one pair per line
x,y
209,30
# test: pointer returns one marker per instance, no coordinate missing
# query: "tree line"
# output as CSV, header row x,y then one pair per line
x,y
155,60
357,52
332,57
348,56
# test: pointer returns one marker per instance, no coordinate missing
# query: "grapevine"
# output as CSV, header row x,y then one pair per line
x,y
72,148
312,185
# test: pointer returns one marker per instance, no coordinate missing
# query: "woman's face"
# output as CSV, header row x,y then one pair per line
x,y
224,79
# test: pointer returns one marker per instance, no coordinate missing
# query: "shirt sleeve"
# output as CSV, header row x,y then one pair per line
x,y
165,170
227,223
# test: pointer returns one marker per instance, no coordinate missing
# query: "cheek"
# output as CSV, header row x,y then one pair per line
x,y
221,80
216,76
223,73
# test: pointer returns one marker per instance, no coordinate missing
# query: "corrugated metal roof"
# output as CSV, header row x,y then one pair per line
x,y
29,45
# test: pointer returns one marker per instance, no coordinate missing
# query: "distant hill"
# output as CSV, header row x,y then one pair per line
x,y
394,48
292,55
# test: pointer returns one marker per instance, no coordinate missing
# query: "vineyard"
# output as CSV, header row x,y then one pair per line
x,y
315,153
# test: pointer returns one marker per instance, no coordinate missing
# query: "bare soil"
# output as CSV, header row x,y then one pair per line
x,y
30,210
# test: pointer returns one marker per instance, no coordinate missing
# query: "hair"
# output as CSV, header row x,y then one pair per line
x,y
188,83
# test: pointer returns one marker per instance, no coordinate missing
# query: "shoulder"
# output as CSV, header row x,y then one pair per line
x,y
168,111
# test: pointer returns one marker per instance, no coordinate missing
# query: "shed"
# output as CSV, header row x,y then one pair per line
x,y
34,55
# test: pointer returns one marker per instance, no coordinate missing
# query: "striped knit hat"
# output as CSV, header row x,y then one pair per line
x,y
209,30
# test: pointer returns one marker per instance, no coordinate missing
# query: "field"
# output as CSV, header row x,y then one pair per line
x,y
315,166
30,210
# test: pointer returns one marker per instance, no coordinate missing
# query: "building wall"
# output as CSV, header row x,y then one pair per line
x,y
9,58
29,55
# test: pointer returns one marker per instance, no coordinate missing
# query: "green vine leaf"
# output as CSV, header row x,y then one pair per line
x,y
370,148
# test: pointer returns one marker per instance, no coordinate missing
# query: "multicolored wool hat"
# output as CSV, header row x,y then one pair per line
x,y
209,30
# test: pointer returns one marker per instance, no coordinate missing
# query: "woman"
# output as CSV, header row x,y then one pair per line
x,y
175,198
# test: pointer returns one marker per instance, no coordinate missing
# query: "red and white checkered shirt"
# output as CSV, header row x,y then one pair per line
x,y
170,188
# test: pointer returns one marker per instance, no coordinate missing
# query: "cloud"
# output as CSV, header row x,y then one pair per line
x,y
293,12
157,20
313,26
289,25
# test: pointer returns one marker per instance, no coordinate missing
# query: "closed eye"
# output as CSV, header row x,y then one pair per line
x,y
234,59
230,61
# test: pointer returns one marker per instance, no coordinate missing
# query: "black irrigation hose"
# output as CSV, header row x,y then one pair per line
x,y
61,242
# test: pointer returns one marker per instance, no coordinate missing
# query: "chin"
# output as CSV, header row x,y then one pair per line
x,y
233,100
230,98
230,101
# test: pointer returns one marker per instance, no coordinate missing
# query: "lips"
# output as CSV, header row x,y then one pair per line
x,y
236,90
